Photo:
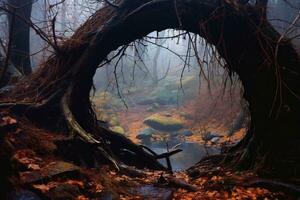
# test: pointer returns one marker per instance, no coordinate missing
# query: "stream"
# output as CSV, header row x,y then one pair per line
x,y
192,153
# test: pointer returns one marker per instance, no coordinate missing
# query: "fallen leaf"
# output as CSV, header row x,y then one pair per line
x,y
33,166
81,197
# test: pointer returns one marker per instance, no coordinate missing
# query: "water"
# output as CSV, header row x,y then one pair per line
x,y
191,154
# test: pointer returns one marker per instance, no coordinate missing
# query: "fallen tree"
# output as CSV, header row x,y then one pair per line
x,y
265,61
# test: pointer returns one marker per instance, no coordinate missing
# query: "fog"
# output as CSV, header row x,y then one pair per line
x,y
167,79
70,14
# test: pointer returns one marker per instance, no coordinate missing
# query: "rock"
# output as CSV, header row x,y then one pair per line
x,y
26,159
174,134
209,136
155,105
103,116
151,192
186,115
165,97
7,89
145,134
215,139
150,109
108,195
118,129
163,123
186,133
52,170
114,121
146,101
7,123
168,93
168,114
23,195
64,192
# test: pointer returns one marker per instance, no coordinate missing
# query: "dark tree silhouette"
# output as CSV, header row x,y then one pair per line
x,y
20,55
265,61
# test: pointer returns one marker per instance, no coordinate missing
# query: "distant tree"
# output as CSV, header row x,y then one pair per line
x,y
159,41
20,36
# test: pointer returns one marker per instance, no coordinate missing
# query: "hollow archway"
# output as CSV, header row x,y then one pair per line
x,y
264,61
182,108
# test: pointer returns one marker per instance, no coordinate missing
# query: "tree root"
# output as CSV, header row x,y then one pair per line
x,y
169,181
166,155
274,185
31,106
78,130
110,143
163,155
119,143
73,124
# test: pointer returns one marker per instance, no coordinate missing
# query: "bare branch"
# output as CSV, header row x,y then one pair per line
x,y
111,4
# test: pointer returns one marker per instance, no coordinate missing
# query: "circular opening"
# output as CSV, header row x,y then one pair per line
x,y
170,90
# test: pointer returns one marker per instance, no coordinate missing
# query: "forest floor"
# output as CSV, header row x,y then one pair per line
x,y
133,123
40,173
211,111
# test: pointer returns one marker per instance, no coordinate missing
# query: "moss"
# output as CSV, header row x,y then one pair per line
x,y
106,101
164,96
163,123
186,115
103,116
118,129
114,121
101,98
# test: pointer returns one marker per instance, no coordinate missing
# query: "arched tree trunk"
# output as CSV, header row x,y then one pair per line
x,y
266,63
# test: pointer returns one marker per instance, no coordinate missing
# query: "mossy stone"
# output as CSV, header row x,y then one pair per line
x,y
118,129
163,123
114,121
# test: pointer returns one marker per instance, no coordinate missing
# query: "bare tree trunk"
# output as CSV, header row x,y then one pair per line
x,y
159,42
139,62
21,34
63,17
76,14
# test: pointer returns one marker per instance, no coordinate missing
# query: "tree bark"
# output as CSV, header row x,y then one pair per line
x,y
266,63
21,34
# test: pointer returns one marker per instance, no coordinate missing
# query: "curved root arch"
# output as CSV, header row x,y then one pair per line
x,y
245,40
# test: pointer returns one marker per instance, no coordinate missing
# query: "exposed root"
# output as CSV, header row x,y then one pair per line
x,y
107,156
110,144
78,130
170,181
32,106
166,155
274,185
120,144
163,155
73,124
15,105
